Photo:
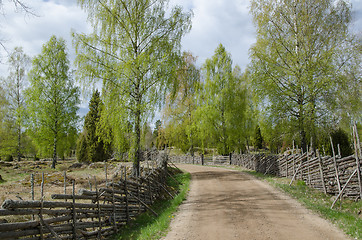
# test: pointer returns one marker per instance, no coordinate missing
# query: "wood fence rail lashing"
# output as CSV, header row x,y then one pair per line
x,y
88,214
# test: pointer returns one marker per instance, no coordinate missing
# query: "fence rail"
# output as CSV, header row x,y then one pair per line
x,y
330,174
87,214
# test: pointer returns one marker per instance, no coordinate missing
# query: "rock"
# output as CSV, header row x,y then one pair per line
x,y
76,165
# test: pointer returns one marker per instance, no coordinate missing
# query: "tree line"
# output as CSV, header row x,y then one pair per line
x,y
303,85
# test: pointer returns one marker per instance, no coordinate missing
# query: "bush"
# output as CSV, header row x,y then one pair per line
x,y
9,158
341,137
82,148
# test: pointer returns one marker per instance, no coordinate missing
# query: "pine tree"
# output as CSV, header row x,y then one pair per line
x,y
258,143
90,144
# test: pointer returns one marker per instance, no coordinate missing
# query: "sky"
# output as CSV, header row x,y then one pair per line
x,y
214,22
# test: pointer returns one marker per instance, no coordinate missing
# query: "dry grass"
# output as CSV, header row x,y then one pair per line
x,y
17,179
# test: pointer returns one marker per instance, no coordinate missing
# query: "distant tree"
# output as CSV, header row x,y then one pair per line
x,y
341,138
134,50
258,142
223,105
179,111
14,86
52,98
82,147
7,130
91,146
147,137
294,59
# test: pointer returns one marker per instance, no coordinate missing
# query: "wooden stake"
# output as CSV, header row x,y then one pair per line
x,y
335,165
99,209
105,169
32,191
114,208
126,193
356,149
321,171
41,206
344,187
300,165
73,212
65,182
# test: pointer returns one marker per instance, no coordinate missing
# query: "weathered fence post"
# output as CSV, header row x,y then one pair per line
x,y
202,159
335,165
32,191
41,206
230,156
65,183
356,150
105,169
321,171
73,212
99,209
126,194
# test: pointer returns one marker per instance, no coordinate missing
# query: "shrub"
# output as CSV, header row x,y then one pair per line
x,y
9,158
82,148
341,137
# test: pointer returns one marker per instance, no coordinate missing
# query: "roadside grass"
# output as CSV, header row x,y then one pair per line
x,y
147,226
346,214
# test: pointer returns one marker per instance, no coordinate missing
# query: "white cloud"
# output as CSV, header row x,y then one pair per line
x,y
218,21
32,32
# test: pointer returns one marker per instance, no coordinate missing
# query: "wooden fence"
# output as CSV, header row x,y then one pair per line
x,y
88,214
330,174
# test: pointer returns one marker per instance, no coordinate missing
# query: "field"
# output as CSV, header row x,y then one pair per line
x,y
16,177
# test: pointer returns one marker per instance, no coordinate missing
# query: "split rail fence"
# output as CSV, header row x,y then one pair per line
x,y
332,175
87,214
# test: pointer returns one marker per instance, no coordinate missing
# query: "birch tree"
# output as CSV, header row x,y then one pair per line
x,y
293,59
14,86
52,98
222,111
133,50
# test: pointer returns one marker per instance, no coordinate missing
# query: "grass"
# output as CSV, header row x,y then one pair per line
x,y
147,226
346,214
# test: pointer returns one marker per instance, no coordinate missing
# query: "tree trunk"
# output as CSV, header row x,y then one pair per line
x,y
137,143
55,150
19,142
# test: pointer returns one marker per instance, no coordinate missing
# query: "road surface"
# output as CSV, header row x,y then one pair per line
x,y
228,204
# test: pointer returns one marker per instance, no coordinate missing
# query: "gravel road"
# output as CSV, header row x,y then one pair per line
x,y
228,204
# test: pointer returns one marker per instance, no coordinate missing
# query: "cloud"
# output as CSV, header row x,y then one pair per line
x,y
218,21
32,32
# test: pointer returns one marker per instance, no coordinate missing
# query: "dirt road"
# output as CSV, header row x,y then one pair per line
x,y
226,204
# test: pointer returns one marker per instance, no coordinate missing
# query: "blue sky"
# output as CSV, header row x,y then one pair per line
x,y
214,22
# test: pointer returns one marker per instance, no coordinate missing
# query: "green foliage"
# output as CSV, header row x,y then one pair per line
x,y
223,103
9,158
82,148
14,87
180,128
258,138
341,138
134,50
52,99
296,61
91,146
